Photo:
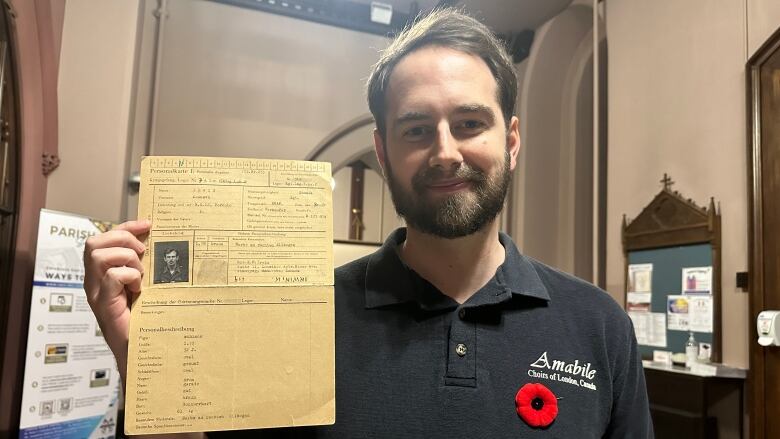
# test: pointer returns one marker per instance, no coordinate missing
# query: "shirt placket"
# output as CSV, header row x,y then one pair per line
x,y
462,351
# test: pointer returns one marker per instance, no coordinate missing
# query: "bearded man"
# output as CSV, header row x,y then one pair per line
x,y
447,331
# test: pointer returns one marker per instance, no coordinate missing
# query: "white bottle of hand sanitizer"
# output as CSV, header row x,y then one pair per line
x,y
691,351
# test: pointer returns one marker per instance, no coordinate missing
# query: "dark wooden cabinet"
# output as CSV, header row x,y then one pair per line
x,y
690,406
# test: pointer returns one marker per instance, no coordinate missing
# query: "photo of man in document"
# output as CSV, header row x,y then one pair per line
x,y
171,262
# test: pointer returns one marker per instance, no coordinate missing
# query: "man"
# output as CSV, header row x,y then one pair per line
x,y
447,331
171,271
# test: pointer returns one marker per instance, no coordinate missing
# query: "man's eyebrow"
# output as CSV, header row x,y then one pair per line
x,y
476,108
411,116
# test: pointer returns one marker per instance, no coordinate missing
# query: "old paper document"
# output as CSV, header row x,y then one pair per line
x,y
234,326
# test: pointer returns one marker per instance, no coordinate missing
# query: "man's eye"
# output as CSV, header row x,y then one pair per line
x,y
415,132
473,124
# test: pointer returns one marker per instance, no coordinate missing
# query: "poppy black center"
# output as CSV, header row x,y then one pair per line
x,y
537,403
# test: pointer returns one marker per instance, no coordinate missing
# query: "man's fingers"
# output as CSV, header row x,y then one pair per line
x,y
117,257
116,281
138,227
114,238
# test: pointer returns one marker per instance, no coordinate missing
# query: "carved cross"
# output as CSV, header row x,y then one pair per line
x,y
667,182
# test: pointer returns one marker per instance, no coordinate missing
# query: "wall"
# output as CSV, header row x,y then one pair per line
x,y
763,19
677,105
244,83
95,91
552,217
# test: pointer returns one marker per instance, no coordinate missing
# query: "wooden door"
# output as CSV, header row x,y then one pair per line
x,y
9,172
764,111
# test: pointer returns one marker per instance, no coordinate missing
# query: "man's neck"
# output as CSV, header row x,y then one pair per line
x,y
457,267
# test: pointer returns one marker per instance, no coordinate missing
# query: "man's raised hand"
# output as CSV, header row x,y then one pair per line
x,y
112,276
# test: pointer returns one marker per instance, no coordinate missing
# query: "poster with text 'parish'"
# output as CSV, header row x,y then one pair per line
x,y
234,327
71,384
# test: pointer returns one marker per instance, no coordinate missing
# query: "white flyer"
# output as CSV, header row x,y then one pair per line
x,y
640,278
71,384
650,328
638,301
677,311
700,312
697,280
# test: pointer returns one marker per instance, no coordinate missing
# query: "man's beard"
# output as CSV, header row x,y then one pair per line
x,y
455,215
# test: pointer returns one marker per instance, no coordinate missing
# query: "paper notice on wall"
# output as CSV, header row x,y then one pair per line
x,y
700,312
638,301
650,328
71,384
678,312
640,278
697,280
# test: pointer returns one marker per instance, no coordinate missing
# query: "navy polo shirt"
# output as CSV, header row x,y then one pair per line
x,y
412,362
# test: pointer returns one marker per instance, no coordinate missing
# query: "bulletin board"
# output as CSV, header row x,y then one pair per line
x,y
667,279
673,248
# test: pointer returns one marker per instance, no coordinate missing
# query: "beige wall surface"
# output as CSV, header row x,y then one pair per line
x,y
95,85
763,19
241,83
677,105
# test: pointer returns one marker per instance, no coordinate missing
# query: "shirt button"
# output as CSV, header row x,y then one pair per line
x,y
462,313
460,349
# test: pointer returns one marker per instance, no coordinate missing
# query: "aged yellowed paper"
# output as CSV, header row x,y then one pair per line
x,y
234,326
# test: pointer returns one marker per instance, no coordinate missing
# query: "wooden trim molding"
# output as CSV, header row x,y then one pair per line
x,y
356,189
756,374
49,43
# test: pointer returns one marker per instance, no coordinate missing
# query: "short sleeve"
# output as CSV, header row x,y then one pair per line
x,y
630,416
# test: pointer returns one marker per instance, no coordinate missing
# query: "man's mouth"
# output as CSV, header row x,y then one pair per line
x,y
448,185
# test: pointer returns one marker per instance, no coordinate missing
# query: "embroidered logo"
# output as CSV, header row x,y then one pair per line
x,y
574,373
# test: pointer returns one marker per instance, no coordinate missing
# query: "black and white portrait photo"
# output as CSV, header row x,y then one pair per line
x,y
171,262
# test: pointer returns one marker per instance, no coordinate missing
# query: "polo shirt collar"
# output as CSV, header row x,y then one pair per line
x,y
390,282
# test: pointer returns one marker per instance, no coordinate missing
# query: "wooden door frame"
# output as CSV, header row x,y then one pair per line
x,y
756,373
36,30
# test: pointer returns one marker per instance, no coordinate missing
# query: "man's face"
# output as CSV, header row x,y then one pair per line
x,y
448,153
171,259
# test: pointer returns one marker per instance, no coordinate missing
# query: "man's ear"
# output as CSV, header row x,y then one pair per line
x,y
513,143
379,148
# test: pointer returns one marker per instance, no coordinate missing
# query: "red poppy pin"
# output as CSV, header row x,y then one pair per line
x,y
536,405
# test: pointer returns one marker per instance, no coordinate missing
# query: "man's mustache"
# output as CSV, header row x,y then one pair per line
x,y
432,175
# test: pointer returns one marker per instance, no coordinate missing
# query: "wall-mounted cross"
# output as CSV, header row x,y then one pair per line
x,y
667,182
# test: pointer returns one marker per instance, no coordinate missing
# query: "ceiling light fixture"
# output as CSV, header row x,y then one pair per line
x,y
381,13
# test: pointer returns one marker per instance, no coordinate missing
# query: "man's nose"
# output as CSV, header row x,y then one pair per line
x,y
445,151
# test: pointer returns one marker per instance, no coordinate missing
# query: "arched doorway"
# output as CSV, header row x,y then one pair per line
x,y
556,188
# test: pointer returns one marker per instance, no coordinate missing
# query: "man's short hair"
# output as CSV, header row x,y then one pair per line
x,y
449,28
170,250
